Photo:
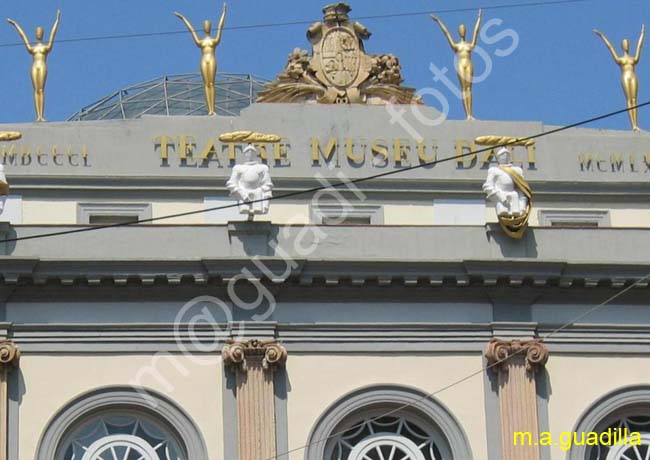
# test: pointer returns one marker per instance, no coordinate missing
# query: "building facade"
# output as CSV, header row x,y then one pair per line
x,y
389,296
377,312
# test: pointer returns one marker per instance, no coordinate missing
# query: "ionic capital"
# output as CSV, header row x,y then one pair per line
x,y
499,353
270,353
9,354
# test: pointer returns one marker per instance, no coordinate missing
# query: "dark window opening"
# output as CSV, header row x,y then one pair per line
x,y
108,219
575,224
348,220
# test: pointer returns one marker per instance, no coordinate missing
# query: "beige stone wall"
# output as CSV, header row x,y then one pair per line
x,y
317,381
50,212
630,218
408,214
52,381
491,216
160,209
61,212
283,213
578,381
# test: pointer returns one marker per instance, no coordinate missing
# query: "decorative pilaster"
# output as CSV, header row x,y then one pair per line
x,y
9,357
516,362
255,363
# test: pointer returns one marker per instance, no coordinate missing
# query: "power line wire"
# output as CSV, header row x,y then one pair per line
x,y
324,187
309,22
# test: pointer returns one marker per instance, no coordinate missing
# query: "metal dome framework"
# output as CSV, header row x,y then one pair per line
x,y
174,95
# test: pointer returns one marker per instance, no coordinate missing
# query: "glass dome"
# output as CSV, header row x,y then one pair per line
x,y
174,95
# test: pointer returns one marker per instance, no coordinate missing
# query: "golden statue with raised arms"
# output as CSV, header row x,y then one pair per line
x,y
208,45
464,66
39,51
627,63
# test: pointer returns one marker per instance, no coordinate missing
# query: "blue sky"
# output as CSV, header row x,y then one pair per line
x,y
559,73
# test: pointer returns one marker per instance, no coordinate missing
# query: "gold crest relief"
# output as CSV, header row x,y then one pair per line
x,y
340,57
339,71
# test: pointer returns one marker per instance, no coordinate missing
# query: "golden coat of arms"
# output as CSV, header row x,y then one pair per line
x,y
340,57
339,71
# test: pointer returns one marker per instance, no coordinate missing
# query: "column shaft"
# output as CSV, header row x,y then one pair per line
x,y
518,402
256,412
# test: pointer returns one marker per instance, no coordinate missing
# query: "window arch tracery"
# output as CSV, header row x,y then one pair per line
x,y
121,435
387,423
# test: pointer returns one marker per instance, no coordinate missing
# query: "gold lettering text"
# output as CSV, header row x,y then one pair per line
x,y
400,151
210,152
422,153
349,151
616,159
186,146
330,150
164,143
586,162
281,154
465,159
379,150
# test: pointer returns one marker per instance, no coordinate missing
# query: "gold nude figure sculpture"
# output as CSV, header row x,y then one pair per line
x,y
464,66
208,46
628,63
39,52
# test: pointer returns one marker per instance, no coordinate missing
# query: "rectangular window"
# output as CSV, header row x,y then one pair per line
x,y
109,219
574,218
112,213
338,214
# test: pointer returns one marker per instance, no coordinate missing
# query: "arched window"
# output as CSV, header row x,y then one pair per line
x,y
624,409
387,423
626,452
121,424
632,419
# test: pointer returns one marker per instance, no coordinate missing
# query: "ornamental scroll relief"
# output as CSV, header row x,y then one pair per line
x,y
270,352
534,353
9,355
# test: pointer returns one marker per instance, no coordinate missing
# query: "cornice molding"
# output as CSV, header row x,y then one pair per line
x,y
335,272
321,338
